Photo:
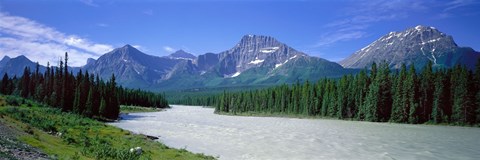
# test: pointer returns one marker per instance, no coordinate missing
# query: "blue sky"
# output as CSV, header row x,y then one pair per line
x,y
44,30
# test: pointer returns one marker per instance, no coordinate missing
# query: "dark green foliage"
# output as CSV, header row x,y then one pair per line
x,y
426,90
399,113
437,96
463,105
6,87
441,98
477,87
89,105
411,95
81,94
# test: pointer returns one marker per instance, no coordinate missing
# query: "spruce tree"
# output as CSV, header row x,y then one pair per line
x,y
362,85
462,99
439,98
89,104
426,90
76,102
372,102
385,100
67,87
477,87
4,84
411,95
398,106
25,83
103,107
342,97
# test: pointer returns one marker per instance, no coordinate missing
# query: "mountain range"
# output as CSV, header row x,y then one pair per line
x,y
255,60
416,46
263,60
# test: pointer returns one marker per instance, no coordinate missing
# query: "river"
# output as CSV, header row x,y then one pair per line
x,y
234,137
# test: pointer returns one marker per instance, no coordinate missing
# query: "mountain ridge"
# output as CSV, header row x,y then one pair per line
x,y
254,60
416,45
263,60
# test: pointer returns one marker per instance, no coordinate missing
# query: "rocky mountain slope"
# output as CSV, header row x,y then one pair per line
x,y
15,66
254,60
416,46
263,60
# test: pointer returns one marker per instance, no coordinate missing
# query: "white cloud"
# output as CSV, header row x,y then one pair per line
x,y
169,49
330,38
137,46
22,36
360,15
457,8
457,4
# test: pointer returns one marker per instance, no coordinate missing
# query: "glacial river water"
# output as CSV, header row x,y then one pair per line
x,y
234,137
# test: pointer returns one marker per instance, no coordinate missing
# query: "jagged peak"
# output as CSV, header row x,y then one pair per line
x,y
90,60
182,54
128,46
255,41
422,28
23,57
417,31
126,49
252,36
6,57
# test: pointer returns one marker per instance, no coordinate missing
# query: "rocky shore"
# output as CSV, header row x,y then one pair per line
x,y
12,148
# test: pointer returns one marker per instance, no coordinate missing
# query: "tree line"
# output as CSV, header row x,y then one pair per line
x,y
83,93
404,96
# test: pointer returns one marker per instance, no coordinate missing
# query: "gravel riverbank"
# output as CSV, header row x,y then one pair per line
x,y
12,148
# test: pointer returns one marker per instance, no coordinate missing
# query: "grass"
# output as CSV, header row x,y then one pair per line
x,y
137,109
69,136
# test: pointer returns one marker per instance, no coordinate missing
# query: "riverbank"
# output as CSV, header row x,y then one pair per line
x,y
199,130
301,116
68,136
137,109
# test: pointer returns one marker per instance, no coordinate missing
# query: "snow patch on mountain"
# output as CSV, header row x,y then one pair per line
x,y
269,49
256,61
280,64
236,74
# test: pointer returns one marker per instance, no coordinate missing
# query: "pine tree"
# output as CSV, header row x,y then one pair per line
x,y
411,95
4,84
76,102
57,101
372,102
439,98
342,97
462,97
378,102
477,87
362,84
25,83
89,104
103,107
385,84
398,106
112,106
426,90
67,88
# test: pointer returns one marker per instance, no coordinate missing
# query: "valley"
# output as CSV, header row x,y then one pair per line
x,y
234,80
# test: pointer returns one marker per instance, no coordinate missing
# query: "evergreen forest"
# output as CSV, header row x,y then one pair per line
x,y
432,95
83,93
